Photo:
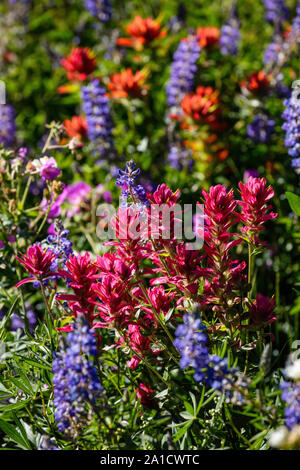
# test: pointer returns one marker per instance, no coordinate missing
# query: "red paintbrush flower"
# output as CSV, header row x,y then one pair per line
x,y
126,84
163,195
142,31
37,262
255,196
202,105
81,274
262,311
114,307
79,64
76,127
207,36
146,394
257,82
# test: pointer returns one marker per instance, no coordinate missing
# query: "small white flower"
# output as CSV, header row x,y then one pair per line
x,y
278,437
293,370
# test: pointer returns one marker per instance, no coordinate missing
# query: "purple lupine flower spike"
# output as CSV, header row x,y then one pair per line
x,y
7,125
101,9
261,128
95,105
183,70
76,381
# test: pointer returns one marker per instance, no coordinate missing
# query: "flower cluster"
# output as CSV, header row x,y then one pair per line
x,y
211,370
95,105
7,125
291,396
276,11
207,36
143,32
229,38
202,106
76,381
261,128
183,70
59,244
80,64
255,206
126,181
292,129
38,262
101,9
126,84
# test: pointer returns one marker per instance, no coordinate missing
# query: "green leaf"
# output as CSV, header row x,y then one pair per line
x,y
11,431
294,202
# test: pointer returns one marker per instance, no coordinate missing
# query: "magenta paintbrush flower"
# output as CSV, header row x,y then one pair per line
x,y
255,196
81,274
37,262
262,311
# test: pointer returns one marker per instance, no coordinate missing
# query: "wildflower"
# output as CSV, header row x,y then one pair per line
x,y
138,343
226,274
101,9
292,129
179,157
191,341
262,311
146,395
257,82
126,181
230,36
254,204
18,323
60,244
79,64
183,70
114,307
292,371
126,84
95,105
76,127
276,11
76,382
37,262
274,51
80,272
7,125
202,105
48,444
207,36
261,128
291,395
46,167
143,31
163,195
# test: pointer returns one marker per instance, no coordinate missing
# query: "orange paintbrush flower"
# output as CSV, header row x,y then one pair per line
x,y
207,36
257,82
142,31
202,105
76,127
127,83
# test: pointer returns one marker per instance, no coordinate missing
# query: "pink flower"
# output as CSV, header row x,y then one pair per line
x,y
163,195
37,262
81,274
46,167
262,311
146,394
114,307
254,204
